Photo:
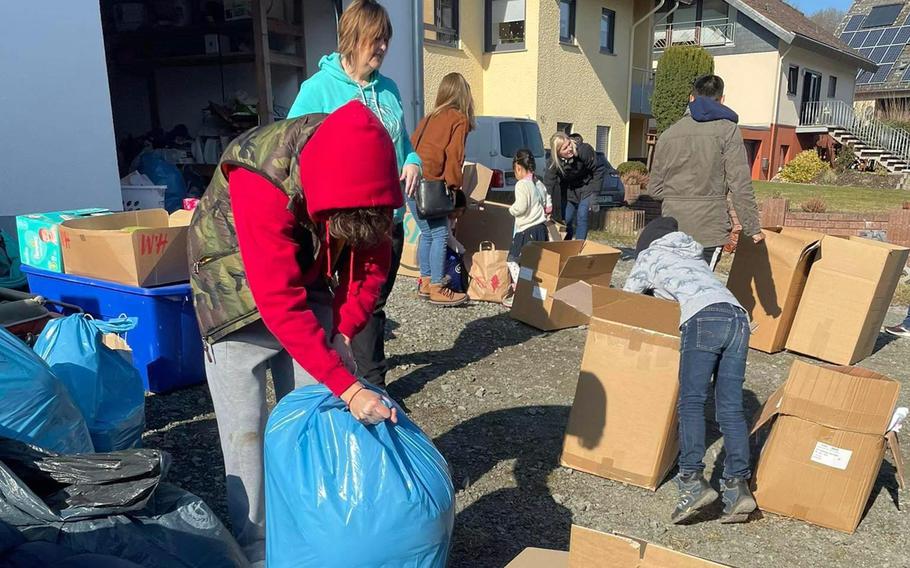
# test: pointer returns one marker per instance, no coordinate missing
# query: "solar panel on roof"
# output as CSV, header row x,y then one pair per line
x,y
893,53
854,23
873,38
888,36
858,39
906,76
846,37
863,78
882,15
882,74
903,35
866,52
878,54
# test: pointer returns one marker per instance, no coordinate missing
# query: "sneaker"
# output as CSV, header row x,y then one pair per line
x,y
695,494
738,500
423,288
507,301
897,331
442,296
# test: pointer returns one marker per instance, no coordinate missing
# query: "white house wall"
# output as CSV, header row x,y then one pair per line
x,y
823,64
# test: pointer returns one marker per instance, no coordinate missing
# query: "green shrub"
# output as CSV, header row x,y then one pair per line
x,y
844,158
827,177
803,168
677,69
815,205
627,167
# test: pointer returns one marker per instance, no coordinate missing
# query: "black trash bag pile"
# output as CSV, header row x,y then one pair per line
x,y
112,504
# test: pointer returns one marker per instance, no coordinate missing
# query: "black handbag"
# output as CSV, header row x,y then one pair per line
x,y
434,198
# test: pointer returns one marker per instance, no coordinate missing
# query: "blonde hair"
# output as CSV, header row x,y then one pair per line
x,y
556,143
363,21
455,92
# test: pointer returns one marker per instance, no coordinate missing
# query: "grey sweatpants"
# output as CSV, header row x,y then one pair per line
x,y
237,380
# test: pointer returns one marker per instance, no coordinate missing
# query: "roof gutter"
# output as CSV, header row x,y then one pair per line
x,y
640,21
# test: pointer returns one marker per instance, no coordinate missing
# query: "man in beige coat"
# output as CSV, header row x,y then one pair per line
x,y
699,161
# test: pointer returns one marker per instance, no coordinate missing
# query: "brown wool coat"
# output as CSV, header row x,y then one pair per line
x,y
439,141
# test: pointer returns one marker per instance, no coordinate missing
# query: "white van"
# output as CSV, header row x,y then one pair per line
x,y
494,143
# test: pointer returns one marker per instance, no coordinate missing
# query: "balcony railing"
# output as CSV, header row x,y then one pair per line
x,y
873,133
642,89
706,33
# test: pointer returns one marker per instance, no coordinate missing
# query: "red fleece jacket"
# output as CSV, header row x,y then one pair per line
x,y
265,228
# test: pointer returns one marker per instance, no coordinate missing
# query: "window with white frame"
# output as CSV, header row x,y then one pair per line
x,y
567,21
505,25
440,22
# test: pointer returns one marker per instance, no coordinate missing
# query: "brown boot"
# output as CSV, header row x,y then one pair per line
x,y
442,296
423,288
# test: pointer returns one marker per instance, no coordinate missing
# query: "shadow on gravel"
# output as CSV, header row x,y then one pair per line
x,y
479,339
495,528
884,339
887,479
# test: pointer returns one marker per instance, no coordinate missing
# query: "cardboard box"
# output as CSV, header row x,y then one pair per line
x,y
151,252
826,444
846,298
768,279
410,265
594,549
476,180
623,423
39,237
549,267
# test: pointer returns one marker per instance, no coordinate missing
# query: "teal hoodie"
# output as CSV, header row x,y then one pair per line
x,y
330,88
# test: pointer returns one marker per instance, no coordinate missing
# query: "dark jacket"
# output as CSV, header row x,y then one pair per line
x,y
699,161
582,177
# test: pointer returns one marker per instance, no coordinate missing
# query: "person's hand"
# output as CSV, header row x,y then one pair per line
x,y
342,345
367,406
410,175
758,238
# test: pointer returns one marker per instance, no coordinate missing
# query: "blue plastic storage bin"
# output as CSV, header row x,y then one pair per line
x,y
167,345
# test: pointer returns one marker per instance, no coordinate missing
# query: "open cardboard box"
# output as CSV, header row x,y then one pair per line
x,y
150,252
623,423
768,279
547,268
594,549
829,427
846,298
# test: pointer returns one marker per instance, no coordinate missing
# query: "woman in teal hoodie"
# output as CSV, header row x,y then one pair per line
x,y
364,32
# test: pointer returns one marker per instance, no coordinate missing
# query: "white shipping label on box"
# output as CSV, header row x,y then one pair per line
x,y
526,273
539,293
831,456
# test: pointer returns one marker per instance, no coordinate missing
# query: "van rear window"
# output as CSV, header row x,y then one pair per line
x,y
516,135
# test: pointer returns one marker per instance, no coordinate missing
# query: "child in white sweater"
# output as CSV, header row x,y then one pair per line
x,y
531,210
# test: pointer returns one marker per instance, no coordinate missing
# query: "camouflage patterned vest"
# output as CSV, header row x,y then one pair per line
x,y
221,292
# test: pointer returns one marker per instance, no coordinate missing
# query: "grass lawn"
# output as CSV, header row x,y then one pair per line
x,y
839,199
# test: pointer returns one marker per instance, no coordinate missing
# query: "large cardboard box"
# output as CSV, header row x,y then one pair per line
x,y
138,248
846,298
826,444
768,280
410,265
39,237
546,268
594,549
623,423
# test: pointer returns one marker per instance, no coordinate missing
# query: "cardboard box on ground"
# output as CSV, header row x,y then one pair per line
x,y
547,268
138,248
594,549
623,423
481,221
826,444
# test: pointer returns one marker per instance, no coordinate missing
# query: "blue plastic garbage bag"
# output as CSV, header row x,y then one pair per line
x,y
162,172
35,407
343,495
105,386
456,271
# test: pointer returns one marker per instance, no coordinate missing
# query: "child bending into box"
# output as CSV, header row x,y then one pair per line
x,y
714,342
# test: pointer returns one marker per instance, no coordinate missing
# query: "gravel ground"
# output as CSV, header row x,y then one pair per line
x,y
495,396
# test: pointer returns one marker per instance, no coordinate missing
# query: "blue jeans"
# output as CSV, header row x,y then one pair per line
x,y
577,219
906,323
431,246
714,342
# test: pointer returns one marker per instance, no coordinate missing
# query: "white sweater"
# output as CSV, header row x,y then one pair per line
x,y
531,203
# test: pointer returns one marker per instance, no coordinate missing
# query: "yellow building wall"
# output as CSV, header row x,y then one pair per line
x,y
581,85
749,85
510,79
467,59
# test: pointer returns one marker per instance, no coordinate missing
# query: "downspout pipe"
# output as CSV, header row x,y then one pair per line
x,y
776,113
418,62
632,68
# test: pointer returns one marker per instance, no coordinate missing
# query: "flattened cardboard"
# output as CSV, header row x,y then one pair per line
x,y
152,254
768,279
547,268
540,558
594,549
485,222
826,444
622,425
476,180
846,298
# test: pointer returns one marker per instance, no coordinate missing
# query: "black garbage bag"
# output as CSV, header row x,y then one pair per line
x,y
16,552
112,504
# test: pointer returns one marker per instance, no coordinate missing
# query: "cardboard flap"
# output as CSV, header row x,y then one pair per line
x,y
594,549
578,296
768,411
476,180
897,458
116,221
180,218
540,558
594,262
635,310
843,398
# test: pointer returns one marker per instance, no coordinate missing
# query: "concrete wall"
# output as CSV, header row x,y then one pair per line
x,y
826,66
56,131
749,85
578,83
